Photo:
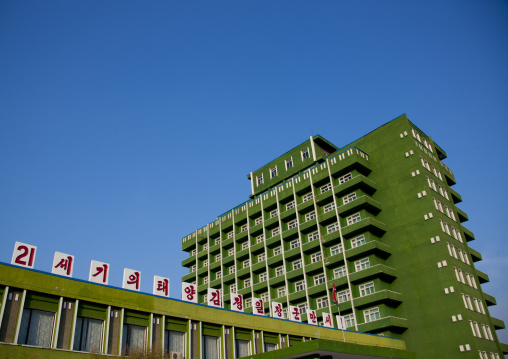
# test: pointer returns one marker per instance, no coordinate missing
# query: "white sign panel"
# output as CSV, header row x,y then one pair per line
x,y
258,307
63,264
237,302
295,314
327,320
189,292
99,272
341,323
24,255
131,279
161,286
277,310
214,298
312,317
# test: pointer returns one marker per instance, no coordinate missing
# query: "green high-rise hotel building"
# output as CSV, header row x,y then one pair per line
x,y
379,219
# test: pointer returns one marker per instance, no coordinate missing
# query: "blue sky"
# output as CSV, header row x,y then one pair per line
x,y
127,125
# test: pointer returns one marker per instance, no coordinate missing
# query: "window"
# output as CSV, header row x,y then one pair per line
x,y
248,303
345,178
321,302
289,163
261,257
425,163
339,272
270,347
205,263
313,236
344,296
349,320
432,184
275,231
193,268
336,249
260,238
232,288
217,240
319,279
218,275
281,292
264,297
316,257
262,277
274,213
218,257
36,328
299,286
246,263
258,220
310,216
303,308
243,228
205,280
231,251
246,283
297,264
273,172
326,188
290,205
205,246
305,154
245,245
260,180
193,252
349,198
174,342
292,224
295,244
358,241
353,219
307,197
362,264
230,234
211,349
371,315
133,339
279,271
366,289
277,251
332,228
329,207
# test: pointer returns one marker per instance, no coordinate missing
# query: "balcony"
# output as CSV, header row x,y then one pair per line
x,y
395,324
323,198
317,290
456,197
191,277
230,278
202,253
490,300
228,260
273,240
475,255
258,287
289,214
296,296
308,226
285,194
272,222
241,236
314,268
310,246
373,247
468,234
189,261
295,274
306,206
244,291
331,238
327,218
273,261
357,182
450,179
345,306
256,230
189,244
202,271
290,233
243,254
277,280
215,283
259,267
215,265
227,242
382,271
364,202
462,215
367,224
348,161
244,272
257,248
334,261
388,297
497,323
292,253
482,277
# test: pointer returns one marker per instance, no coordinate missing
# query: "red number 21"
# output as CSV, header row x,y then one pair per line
x,y
24,254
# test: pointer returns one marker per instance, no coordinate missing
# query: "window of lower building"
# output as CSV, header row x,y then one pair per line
x,y
36,328
133,339
270,347
211,349
349,320
174,342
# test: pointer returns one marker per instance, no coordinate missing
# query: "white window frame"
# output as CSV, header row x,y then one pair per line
x,y
292,224
245,245
339,272
371,315
305,154
297,264
263,277
307,197
319,279
310,216
332,228
329,207
294,244
336,249
246,263
289,163
232,269
322,303
299,286
218,257
231,251
275,231
274,213
326,188
261,257
316,257
259,179
367,289
313,236
345,178
281,292
290,205
258,220
260,238
354,218
349,198
273,172
279,271
362,264
358,241
344,296
277,251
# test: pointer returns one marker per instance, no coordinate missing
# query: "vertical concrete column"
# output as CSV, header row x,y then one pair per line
x,y
11,309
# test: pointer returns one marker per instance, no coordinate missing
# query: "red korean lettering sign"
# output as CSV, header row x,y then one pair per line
x,y
63,264
24,255
131,279
161,286
99,272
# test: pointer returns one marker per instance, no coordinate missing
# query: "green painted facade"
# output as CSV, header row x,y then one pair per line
x,y
378,218
66,300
